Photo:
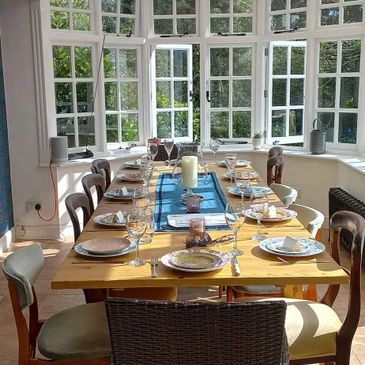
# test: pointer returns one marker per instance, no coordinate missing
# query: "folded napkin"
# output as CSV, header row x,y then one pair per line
x,y
269,211
182,220
291,244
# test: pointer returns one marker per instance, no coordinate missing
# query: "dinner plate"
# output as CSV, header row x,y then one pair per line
x,y
312,247
216,264
130,177
105,246
259,190
195,260
78,249
240,163
282,214
132,165
108,219
250,175
117,194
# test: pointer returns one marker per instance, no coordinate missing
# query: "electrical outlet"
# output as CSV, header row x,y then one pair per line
x,y
30,206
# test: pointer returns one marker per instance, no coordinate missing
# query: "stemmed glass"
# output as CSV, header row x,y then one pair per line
x,y
214,147
242,180
141,201
146,170
152,150
235,215
169,145
231,162
136,226
257,210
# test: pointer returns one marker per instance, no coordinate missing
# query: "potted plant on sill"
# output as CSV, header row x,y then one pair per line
x,y
257,140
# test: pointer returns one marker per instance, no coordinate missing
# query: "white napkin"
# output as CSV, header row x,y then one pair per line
x,y
120,216
124,191
182,220
291,244
269,211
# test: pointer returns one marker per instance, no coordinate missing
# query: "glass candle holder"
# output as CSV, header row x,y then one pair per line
x,y
193,204
197,227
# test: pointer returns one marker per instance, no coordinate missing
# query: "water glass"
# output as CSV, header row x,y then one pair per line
x,y
136,223
141,198
257,209
231,162
214,147
235,215
242,180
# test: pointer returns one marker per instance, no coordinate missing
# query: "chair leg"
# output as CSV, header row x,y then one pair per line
x,y
230,294
221,290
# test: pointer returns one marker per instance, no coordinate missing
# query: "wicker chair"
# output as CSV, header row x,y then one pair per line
x,y
275,151
196,333
102,167
275,166
75,336
93,180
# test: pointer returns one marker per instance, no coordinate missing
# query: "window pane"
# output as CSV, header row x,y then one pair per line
x,y
81,21
241,93
219,25
66,127
242,24
162,7
163,124
349,92
63,95
241,124
61,61
84,94
219,124
298,20
109,63
60,19
280,61
181,94
163,26
327,124
109,24
80,4
297,61
326,92
111,128
297,92
127,7
278,92
180,63
181,124
111,98
59,3
86,131
128,63
347,129
351,53
278,22
219,90
328,57
296,122
242,6
83,65
163,63
219,62
130,127
163,94
185,7
353,14
242,61
186,26
109,6
278,123
126,26
219,6
129,95
294,4
330,16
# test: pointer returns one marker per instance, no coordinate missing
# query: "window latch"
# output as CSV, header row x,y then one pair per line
x,y
231,34
207,95
174,35
296,28
191,94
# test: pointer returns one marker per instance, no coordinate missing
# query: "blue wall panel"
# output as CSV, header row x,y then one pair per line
x,y
6,204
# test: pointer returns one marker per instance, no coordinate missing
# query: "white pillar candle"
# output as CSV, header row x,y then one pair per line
x,y
189,167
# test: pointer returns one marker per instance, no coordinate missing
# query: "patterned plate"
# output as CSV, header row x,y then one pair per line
x,y
132,165
130,177
216,260
310,247
282,214
251,175
240,163
78,249
259,190
117,194
108,219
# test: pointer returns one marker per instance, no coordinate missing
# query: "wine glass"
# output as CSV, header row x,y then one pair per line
x,y
235,217
146,171
152,150
142,200
214,147
242,180
231,162
136,226
257,210
169,145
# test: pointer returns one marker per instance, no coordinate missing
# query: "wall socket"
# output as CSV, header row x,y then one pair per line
x,y
30,206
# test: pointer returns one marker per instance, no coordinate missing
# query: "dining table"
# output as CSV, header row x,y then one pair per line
x,y
257,267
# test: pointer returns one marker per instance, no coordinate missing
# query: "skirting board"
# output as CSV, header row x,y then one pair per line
x,y
7,240
50,232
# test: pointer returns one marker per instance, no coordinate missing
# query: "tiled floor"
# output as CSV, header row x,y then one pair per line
x,y
52,301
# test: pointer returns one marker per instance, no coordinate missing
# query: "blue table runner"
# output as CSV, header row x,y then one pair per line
x,y
168,200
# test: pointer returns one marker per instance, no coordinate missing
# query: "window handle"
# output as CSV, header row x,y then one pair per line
x,y
207,94
191,94
292,30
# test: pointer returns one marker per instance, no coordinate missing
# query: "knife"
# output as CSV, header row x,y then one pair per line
x,y
235,266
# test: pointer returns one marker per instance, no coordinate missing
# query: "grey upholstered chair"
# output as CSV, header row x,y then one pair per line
x,y
79,334
178,333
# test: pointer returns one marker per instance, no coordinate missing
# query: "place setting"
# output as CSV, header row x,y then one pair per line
x,y
124,193
116,220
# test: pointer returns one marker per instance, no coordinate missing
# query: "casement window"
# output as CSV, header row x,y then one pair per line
x,y
287,14
338,77
74,94
71,15
341,12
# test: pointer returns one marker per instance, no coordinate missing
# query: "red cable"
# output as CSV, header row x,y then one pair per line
x,y
54,196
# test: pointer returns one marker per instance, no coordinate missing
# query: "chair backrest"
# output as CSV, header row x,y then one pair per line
x,y
102,167
162,154
93,180
275,151
311,219
286,194
164,333
74,202
275,166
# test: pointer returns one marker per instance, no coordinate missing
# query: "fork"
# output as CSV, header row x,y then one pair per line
x,y
154,264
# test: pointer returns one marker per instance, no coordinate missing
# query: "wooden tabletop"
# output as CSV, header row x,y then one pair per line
x,y
257,267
